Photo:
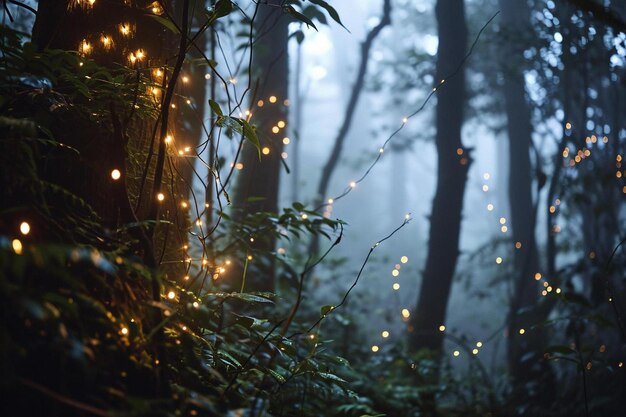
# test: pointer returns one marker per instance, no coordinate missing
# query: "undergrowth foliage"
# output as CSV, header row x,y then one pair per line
x,y
101,316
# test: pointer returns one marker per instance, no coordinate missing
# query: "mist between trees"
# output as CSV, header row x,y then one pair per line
x,y
313,208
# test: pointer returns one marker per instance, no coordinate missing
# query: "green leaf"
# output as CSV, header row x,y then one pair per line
x,y
216,108
167,23
299,16
250,134
330,10
325,309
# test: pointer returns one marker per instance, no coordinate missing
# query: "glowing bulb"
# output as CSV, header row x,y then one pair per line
x,y
24,228
490,207
486,176
195,304
485,188
522,331
280,124
171,295
456,353
385,334
498,260
537,276
124,330
272,99
352,184
116,174
374,348
405,120
475,351
442,328
405,313
16,244
265,150
331,201
160,196
395,272
479,344
185,79
275,129
396,286
404,259
286,141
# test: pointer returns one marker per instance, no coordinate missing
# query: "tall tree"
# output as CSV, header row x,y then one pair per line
x,y
523,310
258,181
453,163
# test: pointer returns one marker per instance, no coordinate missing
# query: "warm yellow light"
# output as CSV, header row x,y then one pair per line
x,y
374,348
404,259
160,196
568,125
286,141
405,313
106,41
498,260
522,331
456,353
168,139
171,295
124,330
280,124
352,184
502,220
475,351
16,244
239,166
184,204
395,272
265,150
518,245
485,188
442,328
116,174
504,229
85,47
490,207
272,99
537,276
479,344
24,228
385,334
185,79
275,129
395,286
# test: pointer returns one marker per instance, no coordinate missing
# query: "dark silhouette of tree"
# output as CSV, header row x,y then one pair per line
x,y
257,184
453,163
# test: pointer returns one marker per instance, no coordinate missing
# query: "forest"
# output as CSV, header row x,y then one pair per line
x,y
315,208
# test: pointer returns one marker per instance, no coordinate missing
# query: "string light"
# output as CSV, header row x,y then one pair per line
x,y
406,313
404,259
272,99
442,328
124,330
396,286
498,260
286,141
171,295
116,174
160,196
456,353
16,244
385,334
522,331
24,228
265,150
374,348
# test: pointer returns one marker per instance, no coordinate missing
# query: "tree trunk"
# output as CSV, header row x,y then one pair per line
x,y
524,351
453,164
257,184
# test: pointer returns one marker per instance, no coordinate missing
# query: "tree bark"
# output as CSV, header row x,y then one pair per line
x,y
258,182
524,351
453,164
